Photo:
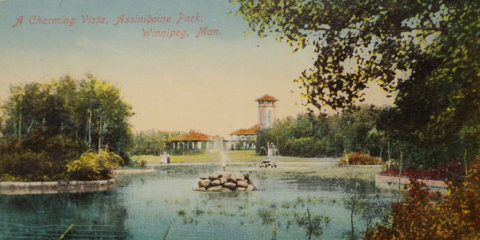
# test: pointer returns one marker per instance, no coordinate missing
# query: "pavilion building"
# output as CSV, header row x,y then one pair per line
x,y
244,138
193,142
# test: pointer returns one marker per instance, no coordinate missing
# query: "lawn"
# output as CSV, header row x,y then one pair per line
x,y
232,156
310,167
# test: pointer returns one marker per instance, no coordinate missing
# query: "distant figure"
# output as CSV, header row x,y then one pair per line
x,y
168,158
163,158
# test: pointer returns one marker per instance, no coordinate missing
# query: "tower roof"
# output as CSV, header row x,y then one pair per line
x,y
267,97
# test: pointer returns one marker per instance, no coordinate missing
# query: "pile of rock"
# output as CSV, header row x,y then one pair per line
x,y
223,181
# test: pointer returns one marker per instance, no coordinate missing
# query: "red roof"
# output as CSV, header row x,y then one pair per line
x,y
191,136
267,97
249,131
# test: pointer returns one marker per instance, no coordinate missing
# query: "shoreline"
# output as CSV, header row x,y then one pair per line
x,y
396,182
324,169
139,170
54,187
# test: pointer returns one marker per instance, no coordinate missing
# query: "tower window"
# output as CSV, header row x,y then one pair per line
x,y
261,117
269,117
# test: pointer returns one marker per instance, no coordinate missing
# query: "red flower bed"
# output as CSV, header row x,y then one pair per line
x,y
447,171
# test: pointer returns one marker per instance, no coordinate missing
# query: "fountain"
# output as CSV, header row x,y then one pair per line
x,y
269,162
224,181
223,153
220,150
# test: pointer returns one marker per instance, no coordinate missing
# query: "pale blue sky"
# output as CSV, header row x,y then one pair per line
x,y
208,84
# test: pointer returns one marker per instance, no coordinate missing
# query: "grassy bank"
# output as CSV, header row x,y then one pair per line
x,y
309,167
233,156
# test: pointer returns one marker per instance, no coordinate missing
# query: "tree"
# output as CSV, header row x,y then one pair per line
x,y
424,51
356,41
47,124
323,135
151,142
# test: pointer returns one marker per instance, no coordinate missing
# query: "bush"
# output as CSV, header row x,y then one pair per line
x,y
135,164
360,158
93,166
41,156
424,214
27,166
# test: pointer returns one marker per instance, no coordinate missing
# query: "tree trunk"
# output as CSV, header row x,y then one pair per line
x,y
90,129
100,134
20,123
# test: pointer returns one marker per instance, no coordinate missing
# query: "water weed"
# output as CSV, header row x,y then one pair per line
x,y
198,212
181,213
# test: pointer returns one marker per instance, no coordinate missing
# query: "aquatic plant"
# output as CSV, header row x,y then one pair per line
x,y
354,203
223,212
198,212
267,216
313,225
285,205
181,212
189,220
168,230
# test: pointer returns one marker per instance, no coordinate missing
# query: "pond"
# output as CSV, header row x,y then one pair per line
x,y
162,205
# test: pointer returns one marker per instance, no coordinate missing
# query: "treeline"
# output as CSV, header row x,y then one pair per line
x,y
47,126
324,135
404,133
151,142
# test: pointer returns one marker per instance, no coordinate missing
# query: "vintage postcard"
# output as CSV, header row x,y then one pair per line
x,y
239,119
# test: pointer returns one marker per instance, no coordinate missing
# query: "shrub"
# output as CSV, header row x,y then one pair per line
x,y
41,156
360,158
93,166
424,214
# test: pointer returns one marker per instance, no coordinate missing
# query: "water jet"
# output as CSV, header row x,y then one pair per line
x,y
271,152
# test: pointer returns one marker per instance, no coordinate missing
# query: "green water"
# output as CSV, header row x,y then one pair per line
x,y
162,205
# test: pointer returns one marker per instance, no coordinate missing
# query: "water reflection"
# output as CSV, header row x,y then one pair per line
x,y
92,213
162,205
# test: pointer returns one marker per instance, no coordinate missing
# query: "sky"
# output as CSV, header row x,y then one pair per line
x,y
184,81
